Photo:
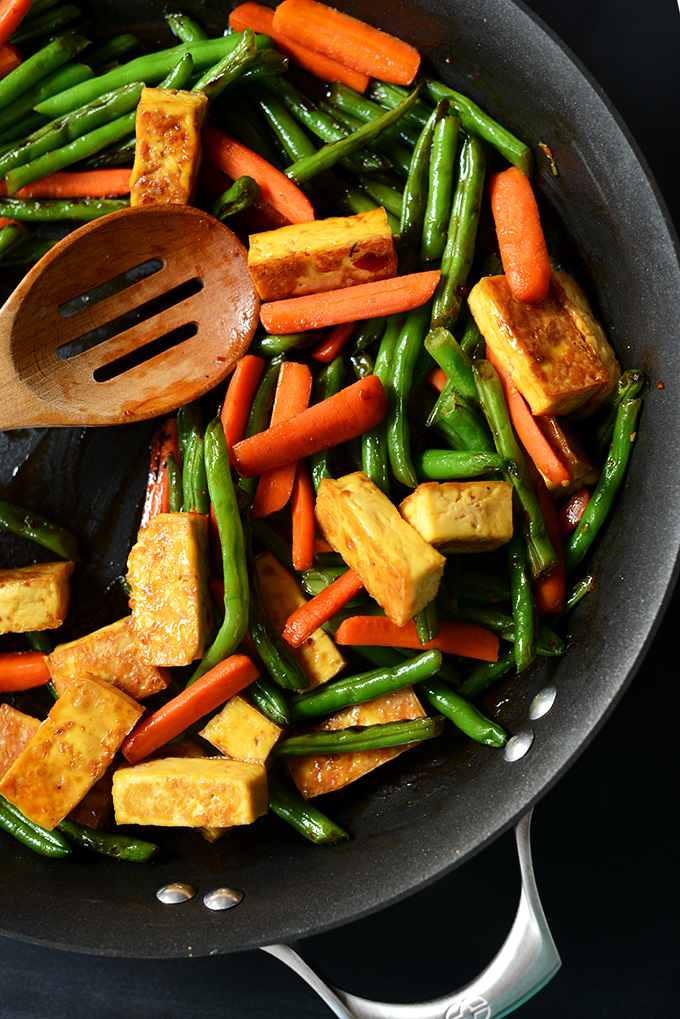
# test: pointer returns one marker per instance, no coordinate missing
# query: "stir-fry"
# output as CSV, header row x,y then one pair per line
x,y
386,507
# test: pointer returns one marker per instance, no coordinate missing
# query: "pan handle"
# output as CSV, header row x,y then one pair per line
x,y
525,963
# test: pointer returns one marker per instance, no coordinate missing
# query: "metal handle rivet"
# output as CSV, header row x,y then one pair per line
x,y
176,891
542,702
222,898
517,745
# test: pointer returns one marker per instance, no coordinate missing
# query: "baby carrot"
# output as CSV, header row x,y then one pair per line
x,y
12,13
239,397
454,638
22,670
302,514
302,623
523,250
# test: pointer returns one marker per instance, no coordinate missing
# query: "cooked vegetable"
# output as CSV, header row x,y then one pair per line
x,y
521,241
39,529
302,623
22,670
453,638
302,514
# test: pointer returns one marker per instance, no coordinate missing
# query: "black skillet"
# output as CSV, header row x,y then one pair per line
x,y
410,825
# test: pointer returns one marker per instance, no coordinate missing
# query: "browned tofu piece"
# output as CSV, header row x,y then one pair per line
x,y
325,254
556,351
16,730
189,748
241,732
110,654
168,572
319,657
35,597
70,750
95,810
190,792
167,147
461,516
315,774
398,568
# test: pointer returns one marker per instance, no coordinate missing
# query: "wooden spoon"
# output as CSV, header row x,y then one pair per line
x,y
58,363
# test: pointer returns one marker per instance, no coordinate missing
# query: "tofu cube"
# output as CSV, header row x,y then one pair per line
x,y
70,750
461,516
556,352
325,254
319,657
315,774
168,571
399,569
110,654
167,147
16,730
35,597
241,732
189,748
190,792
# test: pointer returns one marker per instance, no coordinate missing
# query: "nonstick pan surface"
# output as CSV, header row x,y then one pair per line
x,y
410,823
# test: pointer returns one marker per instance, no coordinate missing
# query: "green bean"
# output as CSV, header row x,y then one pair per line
x,y
548,643
580,589
388,96
179,76
305,818
191,438
271,344
39,529
150,69
11,235
260,412
368,332
37,838
629,386
416,188
462,234
121,847
243,193
345,98
317,578
440,188
542,557
232,541
472,342
111,51
523,601
290,135
453,412
81,210
217,78
398,156
242,120
36,67
383,194
185,28
175,497
328,382
47,23
427,623
269,699
374,455
362,364
27,253
464,715
399,392
328,155
606,489
357,738
342,693
475,121
482,586
483,675
18,112
60,132
457,465
447,352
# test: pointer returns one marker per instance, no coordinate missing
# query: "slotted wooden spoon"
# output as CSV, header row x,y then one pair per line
x,y
130,316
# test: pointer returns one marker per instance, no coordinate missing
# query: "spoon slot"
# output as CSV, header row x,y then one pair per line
x,y
89,298
136,357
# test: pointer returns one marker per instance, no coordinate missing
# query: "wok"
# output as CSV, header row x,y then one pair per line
x,y
432,813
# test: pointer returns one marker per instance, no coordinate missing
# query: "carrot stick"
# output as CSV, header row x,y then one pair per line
x,y
12,13
22,670
465,639
227,678
523,250
349,304
293,389
351,412
239,397
570,512
302,623
437,378
261,19
10,57
302,513
158,490
352,42
551,588
77,184
530,435
329,348
235,159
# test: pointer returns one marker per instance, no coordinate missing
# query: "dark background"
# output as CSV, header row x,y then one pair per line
x,y
602,837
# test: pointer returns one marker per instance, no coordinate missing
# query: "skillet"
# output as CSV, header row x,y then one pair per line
x,y
622,248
